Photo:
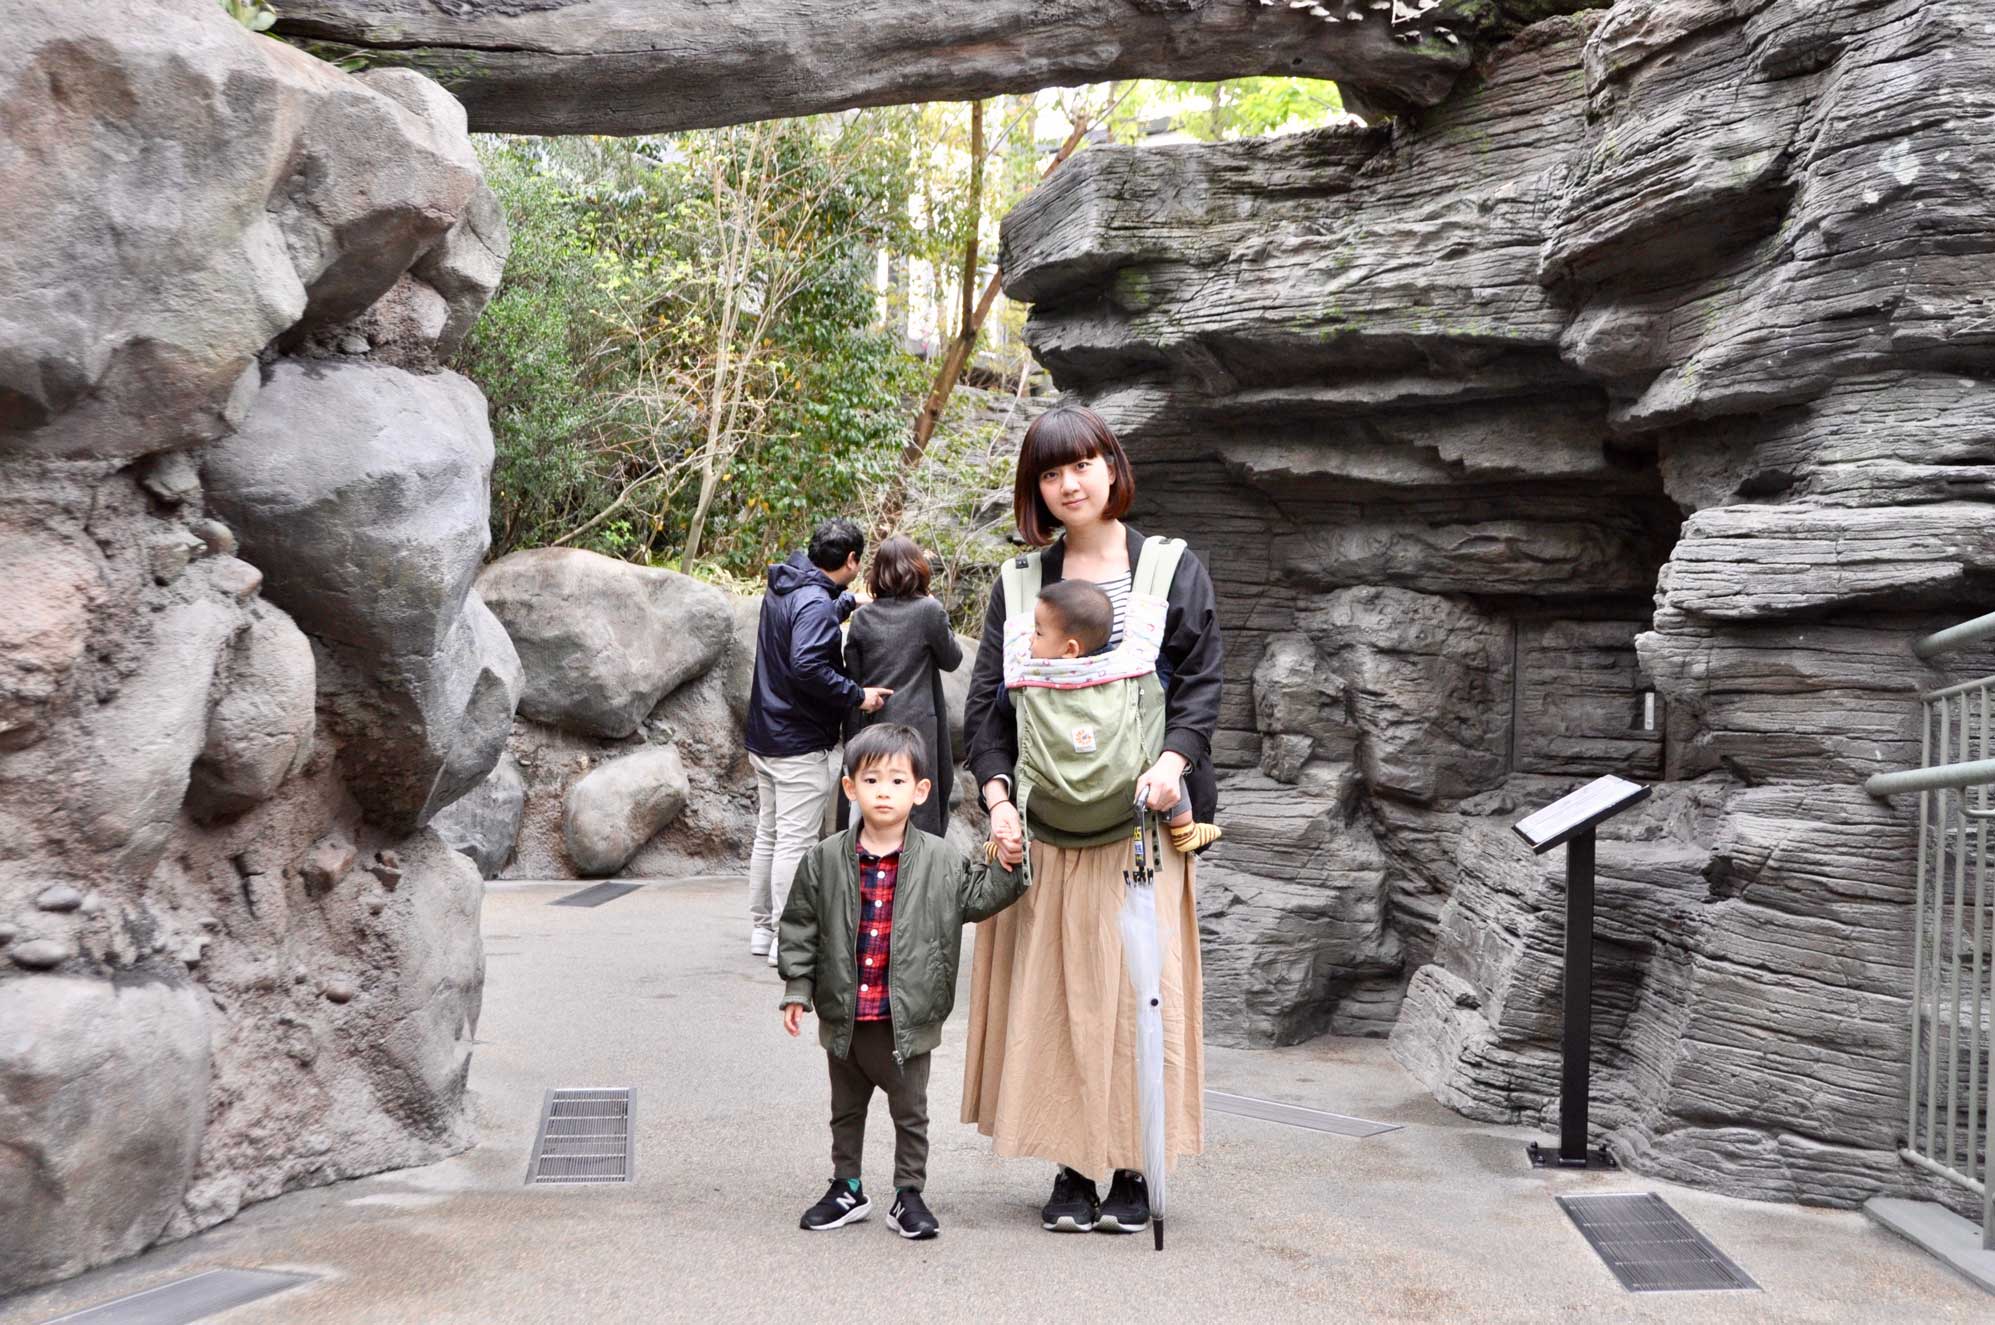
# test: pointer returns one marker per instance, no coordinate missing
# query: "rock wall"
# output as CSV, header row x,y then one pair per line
x,y
241,661
1627,411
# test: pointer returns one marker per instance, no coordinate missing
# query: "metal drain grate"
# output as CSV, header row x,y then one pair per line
x,y
596,894
183,1301
1650,1247
586,1135
1294,1115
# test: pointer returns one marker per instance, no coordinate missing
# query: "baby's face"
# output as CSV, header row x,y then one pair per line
x,y
1049,636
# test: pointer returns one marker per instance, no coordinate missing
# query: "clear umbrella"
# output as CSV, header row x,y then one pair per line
x,y
1144,962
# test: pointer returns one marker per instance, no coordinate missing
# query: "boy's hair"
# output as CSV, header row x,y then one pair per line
x,y
834,542
1082,610
881,742
898,570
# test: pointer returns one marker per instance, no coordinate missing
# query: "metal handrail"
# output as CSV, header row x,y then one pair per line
x,y
1953,637
1942,777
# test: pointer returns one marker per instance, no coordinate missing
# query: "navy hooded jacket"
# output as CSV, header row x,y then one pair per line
x,y
801,690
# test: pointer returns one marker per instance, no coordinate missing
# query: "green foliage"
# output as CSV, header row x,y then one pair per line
x,y
535,352
256,15
598,347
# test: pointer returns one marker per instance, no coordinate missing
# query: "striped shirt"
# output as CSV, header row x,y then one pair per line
x,y
1117,588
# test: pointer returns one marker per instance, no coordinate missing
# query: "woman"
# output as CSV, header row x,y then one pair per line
x,y
1050,1066
901,642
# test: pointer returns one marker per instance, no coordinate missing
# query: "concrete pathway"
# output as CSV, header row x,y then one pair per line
x,y
1441,1221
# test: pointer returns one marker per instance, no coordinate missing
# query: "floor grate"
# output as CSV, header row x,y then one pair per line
x,y
586,1135
596,894
183,1301
1294,1115
1650,1247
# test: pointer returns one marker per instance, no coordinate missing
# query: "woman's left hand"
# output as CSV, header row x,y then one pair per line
x,y
1160,784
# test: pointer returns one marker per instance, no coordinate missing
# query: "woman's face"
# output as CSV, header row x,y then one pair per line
x,y
1077,493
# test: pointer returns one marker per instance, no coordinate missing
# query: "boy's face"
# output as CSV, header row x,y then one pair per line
x,y
886,791
1049,634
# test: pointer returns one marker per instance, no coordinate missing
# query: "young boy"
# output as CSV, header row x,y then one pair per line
x,y
883,989
1074,619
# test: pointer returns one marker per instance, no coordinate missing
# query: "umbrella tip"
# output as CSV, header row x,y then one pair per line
x,y
1157,1231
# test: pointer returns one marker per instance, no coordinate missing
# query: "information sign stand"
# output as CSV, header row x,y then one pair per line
x,y
1569,822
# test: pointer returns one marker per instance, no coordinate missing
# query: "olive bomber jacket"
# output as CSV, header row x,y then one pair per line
x,y
936,890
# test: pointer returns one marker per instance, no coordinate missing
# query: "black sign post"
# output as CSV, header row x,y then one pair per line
x,y
1569,822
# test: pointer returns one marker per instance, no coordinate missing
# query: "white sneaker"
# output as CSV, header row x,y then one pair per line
x,y
760,941
772,956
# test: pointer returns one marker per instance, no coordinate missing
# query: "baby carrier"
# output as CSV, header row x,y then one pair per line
x,y
1089,727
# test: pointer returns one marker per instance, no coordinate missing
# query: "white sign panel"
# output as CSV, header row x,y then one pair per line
x,y
1597,800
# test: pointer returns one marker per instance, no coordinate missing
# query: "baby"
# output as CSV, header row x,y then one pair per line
x,y
1073,619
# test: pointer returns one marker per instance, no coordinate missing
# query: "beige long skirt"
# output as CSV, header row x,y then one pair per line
x,y
1050,1068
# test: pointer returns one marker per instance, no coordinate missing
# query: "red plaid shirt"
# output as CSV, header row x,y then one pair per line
x,y
876,931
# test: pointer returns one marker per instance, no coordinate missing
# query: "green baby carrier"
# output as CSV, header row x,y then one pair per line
x,y
1088,728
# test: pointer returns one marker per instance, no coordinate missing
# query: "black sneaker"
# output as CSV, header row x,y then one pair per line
x,y
1074,1206
841,1205
910,1217
1127,1209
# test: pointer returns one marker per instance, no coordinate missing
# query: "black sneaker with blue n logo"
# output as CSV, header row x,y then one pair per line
x,y
843,1204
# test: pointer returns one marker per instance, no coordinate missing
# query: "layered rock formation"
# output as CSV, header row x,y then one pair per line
x,y
240,661
1626,412
635,66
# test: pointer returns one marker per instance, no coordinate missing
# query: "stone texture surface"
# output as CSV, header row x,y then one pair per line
x,y
626,66
103,1101
223,981
603,640
484,823
363,490
620,806
1627,411
132,326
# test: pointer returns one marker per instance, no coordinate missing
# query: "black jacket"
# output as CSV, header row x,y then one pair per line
x,y
801,690
905,644
1189,669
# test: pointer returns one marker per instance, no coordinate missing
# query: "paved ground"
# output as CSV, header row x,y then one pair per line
x,y
1439,1222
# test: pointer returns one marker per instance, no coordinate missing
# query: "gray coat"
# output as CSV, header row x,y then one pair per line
x,y
905,644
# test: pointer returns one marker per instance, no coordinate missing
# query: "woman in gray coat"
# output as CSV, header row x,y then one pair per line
x,y
901,641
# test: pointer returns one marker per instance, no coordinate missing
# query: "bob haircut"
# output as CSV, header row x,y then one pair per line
x,y
898,570
1061,436
883,741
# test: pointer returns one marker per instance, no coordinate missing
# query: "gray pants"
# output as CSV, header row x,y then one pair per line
x,y
792,793
853,1080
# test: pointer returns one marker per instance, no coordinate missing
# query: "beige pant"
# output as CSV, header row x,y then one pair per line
x,y
792,793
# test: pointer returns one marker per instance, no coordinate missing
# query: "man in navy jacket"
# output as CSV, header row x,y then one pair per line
x,y
796,712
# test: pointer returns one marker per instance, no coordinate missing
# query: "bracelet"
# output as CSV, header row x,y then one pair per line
x,y
1002,800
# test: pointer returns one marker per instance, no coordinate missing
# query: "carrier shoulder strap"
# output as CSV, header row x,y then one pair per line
x,y
1156,566
1021,576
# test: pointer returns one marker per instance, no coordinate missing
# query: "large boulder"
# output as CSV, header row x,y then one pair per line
x,y
485,821
618,807
603,640
464,267
127,325
363,493
144,742
103,1100
261,724
417,732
